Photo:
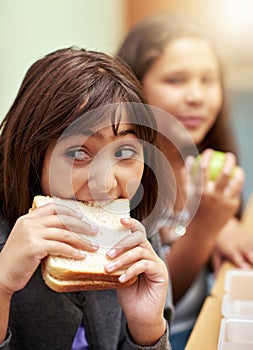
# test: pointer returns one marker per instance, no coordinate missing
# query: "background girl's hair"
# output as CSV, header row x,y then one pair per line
x,y
145,43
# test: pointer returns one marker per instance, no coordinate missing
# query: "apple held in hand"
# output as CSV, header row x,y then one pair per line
x,y
216,164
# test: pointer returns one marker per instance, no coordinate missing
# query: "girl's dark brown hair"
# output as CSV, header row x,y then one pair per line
x,y
56,90
146,42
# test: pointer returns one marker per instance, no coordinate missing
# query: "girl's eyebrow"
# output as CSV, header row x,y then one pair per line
x,y
126,132
87,132
119,133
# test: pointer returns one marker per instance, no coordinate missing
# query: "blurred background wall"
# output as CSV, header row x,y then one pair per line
x,y
31,28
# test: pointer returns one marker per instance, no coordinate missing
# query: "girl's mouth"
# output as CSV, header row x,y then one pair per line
x,y
191,122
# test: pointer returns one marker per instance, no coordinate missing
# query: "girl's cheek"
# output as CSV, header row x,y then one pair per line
x,y
132,187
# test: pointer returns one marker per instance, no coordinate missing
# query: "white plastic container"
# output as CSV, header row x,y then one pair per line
x,y
238,298
236,334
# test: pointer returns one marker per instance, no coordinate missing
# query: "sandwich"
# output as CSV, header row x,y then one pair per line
x,y
67,275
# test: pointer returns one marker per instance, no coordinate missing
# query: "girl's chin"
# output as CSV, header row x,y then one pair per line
x,y
196,139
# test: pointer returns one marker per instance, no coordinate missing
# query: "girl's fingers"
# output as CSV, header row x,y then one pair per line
x,y
70,223
133,225
248,258
229,181
62,243
55,209
198,169
63,217
130,257
229,164
76,240
35,236
235,185
226,174
65,250
216,262
205,160
137,237
239,260
138,261
134,270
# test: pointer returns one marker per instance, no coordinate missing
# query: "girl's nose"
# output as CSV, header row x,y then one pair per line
x,y
194,92
102,176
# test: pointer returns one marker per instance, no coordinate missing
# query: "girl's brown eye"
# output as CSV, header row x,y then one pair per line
x,y
125,153
78,155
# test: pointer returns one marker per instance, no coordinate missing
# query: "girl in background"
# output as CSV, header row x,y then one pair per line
x,y
182,75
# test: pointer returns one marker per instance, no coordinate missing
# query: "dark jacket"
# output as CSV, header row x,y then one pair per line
x,y
43,319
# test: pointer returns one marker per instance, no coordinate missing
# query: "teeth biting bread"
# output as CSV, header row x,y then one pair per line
x,y
65,274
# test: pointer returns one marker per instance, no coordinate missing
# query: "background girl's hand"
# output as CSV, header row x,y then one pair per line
x,y
51,229
219,199
234,244
143,302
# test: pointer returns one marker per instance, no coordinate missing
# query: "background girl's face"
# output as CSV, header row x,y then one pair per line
x,y
185,82
94,165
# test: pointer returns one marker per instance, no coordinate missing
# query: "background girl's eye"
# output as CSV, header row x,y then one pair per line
x,y
176,81
208,80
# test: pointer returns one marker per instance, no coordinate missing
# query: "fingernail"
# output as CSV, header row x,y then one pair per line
x,y
122,278
246,266
110,267
127,221
83,252
94,228
78,214
111,252
94,245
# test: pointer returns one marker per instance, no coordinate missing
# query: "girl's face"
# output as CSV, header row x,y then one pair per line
x,y
185,82
94,165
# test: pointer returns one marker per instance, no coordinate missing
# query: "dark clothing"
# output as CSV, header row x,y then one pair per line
x,y
43,319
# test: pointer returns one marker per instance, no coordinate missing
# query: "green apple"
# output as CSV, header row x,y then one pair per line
x,y
216,164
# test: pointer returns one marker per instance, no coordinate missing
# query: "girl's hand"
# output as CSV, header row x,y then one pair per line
x,y
219,200
234,244
143,303
51,229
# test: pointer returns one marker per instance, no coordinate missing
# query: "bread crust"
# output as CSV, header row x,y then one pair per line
x,y
63,273
69,275
78,285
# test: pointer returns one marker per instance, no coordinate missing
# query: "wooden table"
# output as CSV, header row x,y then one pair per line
x,y
205,334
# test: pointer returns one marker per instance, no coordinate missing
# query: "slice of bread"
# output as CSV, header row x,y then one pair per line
x,y
64,274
